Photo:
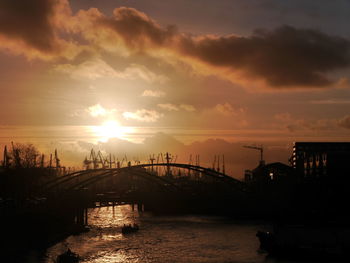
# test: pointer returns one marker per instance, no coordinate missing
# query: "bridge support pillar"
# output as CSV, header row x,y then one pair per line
x,y
140,207
81,217
86,217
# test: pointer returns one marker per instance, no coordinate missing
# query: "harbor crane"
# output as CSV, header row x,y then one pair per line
x,y
261,149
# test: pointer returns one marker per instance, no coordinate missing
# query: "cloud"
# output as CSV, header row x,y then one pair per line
x,y
173,107
187,107
137,29
330,101
168,107
31,28
221,115
97,68
142,72
227,109
153,93
97,110
300,124
91,69
17,16
143,115
283,117
162,142
284,57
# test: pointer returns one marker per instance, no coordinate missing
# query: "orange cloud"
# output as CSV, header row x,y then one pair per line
x,y
153,93
299,124
143,115
168,107
227,109
99,111
286,57
188,107
97,68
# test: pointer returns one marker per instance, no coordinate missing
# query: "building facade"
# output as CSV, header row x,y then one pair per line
x,y
316,159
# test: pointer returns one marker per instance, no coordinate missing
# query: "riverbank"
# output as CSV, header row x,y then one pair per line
x,y
34,229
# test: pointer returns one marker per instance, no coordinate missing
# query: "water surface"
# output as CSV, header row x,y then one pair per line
x,y
162,239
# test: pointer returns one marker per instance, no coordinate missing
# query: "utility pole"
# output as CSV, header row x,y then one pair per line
x,y
152,159
6,158
218,167
168,158
223,164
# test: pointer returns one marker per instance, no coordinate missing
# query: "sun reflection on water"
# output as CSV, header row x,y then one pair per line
x,y
112,216
115,257
178,239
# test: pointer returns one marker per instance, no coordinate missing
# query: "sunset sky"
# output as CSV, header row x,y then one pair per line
x,y
187,76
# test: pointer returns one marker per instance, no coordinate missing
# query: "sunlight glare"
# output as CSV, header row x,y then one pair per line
x,y
111,129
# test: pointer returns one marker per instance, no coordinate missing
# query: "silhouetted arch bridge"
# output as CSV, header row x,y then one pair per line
x,y
161,185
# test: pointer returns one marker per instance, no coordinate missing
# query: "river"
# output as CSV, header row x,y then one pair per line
x,y
161,239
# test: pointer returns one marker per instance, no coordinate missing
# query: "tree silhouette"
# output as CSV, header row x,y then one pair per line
x,y
24,155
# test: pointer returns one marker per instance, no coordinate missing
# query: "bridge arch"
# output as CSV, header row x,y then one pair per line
x,y
95,175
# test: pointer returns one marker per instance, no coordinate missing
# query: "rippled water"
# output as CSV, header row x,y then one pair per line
x,y
162,239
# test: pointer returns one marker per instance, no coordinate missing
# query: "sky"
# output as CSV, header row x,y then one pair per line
x,y
189,77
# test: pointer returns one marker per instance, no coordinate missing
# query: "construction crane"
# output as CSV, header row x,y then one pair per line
x,y
261,149
7,158
57,160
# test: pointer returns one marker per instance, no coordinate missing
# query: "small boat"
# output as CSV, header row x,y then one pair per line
x,y
267,241
68,257
126,229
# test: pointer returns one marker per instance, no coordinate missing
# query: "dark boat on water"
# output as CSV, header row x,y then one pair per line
x,y
68,257
126,229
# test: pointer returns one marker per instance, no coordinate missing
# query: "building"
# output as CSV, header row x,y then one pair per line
x,y
269,172
316,159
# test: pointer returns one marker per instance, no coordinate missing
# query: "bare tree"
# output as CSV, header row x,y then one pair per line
x,y
24,155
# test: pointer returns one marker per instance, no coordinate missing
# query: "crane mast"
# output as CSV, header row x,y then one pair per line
x,y
261,149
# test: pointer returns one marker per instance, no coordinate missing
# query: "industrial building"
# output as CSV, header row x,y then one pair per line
x,y
316,159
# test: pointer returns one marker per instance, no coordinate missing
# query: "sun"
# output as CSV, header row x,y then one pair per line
x,y
111,129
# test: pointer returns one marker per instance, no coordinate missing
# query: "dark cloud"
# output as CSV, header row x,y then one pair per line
x,y
137,29
285,57
28,21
